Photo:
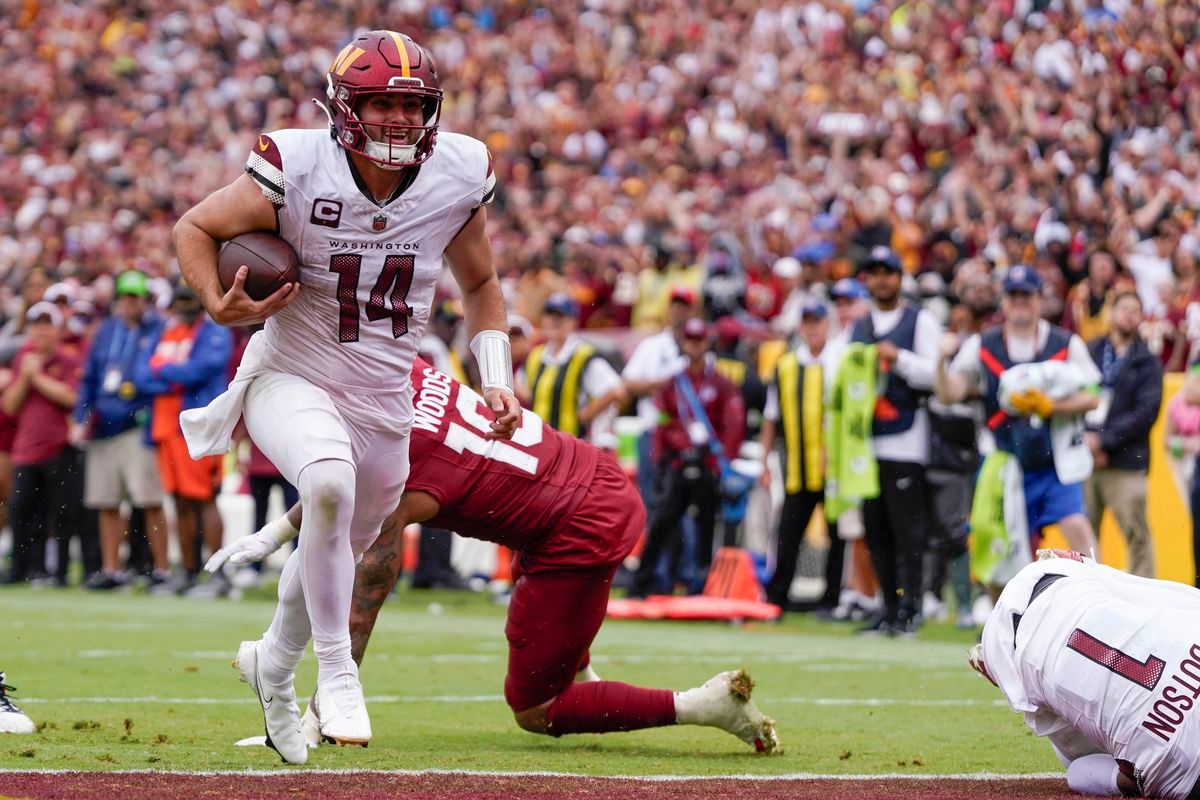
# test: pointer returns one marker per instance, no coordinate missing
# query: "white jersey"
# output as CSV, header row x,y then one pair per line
x,y
367,272
1101,661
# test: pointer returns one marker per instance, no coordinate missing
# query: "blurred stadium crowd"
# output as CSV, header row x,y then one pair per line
x,y
734,159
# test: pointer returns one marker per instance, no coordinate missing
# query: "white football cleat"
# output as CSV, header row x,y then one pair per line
x,y
281,715
12,719
724,702
341,712
310,724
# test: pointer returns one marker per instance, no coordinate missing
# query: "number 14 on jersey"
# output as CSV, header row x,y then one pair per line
x,y
395,281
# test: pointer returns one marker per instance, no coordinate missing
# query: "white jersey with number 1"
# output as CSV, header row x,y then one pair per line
x,y
1100,661
368,272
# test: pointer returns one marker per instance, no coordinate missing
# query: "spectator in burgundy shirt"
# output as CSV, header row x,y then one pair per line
x,y
687,469
42,392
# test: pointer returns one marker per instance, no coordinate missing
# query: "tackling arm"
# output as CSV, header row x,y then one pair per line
x,y
413,507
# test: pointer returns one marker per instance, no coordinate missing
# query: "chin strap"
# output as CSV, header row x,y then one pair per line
x,y
494,355
328,113
383,154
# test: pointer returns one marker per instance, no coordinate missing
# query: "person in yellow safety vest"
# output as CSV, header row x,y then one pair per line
x,y
795,408
565,381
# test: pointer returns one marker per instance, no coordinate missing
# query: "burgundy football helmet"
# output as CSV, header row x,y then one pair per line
x,y
383,62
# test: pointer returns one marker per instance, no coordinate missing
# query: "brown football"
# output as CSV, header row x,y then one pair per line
x,y
271,260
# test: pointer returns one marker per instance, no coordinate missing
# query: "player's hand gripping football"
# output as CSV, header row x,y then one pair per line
x,y
507,411
243,550
236,307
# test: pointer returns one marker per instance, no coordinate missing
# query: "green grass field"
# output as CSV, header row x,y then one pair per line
x,y
124,681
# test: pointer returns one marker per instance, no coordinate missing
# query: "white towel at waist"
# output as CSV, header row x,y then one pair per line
x,y
209,430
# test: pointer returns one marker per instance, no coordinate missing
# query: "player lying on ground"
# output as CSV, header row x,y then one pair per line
x,y
1107,667
572,516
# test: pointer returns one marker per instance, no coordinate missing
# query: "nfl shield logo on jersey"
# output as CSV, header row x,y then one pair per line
x,y
379,222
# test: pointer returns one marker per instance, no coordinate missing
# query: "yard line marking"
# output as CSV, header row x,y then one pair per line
x,y
801,661
193,701
788,776
206,701
105,654
883,701
816,660
916,702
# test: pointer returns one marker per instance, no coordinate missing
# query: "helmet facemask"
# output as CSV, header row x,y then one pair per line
x,y
387,153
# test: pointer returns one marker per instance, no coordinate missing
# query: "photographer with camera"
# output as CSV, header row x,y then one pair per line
x,y
688,470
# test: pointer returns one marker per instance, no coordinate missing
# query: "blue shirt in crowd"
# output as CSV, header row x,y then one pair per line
x,y
108,394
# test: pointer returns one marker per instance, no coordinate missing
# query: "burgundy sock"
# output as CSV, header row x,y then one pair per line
x,y
604,706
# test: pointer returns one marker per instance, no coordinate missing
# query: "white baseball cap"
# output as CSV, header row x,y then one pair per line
x,y
61,291
45,309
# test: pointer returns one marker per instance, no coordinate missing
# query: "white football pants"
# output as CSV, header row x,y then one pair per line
x,y
350,479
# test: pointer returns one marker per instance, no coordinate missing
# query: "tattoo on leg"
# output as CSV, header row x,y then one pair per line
x,y
374,578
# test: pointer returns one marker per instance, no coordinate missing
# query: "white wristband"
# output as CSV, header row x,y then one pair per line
x,y
492,352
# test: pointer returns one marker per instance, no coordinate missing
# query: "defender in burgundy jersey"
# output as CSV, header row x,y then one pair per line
x,y
572,516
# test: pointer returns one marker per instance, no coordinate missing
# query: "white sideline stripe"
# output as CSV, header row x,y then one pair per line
x,y
802,662
883,701
495,698
789,776
209,701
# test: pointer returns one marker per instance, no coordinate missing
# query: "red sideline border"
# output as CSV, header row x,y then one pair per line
x,y
437,784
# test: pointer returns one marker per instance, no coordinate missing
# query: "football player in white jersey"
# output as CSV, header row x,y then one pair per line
x,y
371,205
1107,667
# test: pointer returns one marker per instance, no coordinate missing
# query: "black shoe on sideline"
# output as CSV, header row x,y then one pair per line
x,y
878,626
103,581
